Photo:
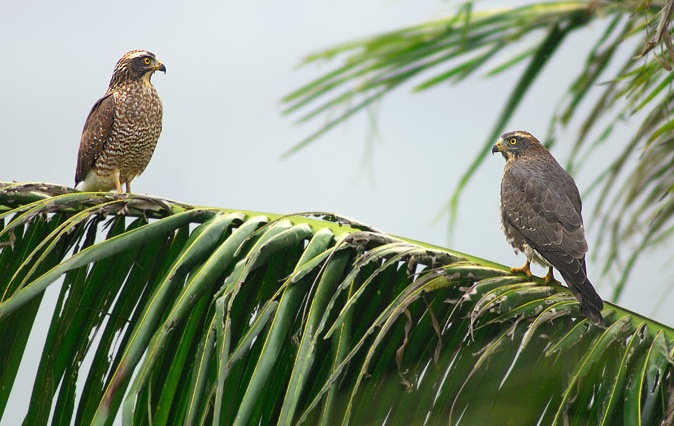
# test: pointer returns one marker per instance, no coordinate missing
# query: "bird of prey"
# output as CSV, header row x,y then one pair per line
x,y
541,216
122,128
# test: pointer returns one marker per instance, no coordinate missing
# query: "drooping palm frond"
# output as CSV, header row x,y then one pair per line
x,y
170,313
451,49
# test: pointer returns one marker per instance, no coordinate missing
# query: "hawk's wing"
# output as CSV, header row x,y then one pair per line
x,y
95,135
543,204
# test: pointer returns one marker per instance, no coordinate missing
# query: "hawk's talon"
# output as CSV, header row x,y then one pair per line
x,y
119,186
524,269
550,277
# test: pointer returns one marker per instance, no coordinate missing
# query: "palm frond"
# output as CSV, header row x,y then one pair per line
x,y
175,313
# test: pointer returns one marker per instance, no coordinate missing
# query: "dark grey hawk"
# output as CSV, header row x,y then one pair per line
x,y
541,216
122,128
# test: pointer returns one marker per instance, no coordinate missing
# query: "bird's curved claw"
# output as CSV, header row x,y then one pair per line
x,y
524,269
550,277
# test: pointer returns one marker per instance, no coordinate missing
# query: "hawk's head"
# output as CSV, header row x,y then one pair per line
x,y
514,144
136,65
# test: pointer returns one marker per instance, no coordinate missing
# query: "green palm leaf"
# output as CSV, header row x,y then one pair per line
x,y
169,313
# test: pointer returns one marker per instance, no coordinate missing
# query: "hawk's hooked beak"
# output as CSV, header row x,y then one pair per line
x,y
498,147
160,67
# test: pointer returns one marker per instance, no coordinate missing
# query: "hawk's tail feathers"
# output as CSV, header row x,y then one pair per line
x,y
590,302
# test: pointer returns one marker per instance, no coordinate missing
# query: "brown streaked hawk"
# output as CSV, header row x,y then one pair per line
x,y
122,128
541,216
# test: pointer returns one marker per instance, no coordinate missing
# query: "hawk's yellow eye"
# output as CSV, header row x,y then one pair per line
x,y
147,61
512,141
